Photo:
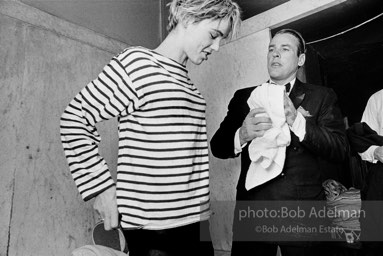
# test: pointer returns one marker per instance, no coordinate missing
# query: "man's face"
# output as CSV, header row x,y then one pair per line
x,y
282,58
204,37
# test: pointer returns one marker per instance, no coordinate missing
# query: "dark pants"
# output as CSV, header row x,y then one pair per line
x,y
183,240
246,239
240,248
372,204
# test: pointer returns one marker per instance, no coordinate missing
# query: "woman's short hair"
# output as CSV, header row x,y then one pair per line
x,y
194,11
298,36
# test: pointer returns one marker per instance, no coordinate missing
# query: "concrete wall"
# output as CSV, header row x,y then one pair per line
x,y
241,63
133,22
45,62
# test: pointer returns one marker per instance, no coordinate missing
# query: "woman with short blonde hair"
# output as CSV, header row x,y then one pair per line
x,y
161,196
197,10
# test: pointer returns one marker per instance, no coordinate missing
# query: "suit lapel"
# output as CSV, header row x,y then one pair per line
x,y
297,94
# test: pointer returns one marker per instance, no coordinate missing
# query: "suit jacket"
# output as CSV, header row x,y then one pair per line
x,y
308,163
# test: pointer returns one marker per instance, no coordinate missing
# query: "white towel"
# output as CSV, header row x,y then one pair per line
x,y
268,152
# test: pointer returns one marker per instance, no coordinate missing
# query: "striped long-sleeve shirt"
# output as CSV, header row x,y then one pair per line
x,y
163,169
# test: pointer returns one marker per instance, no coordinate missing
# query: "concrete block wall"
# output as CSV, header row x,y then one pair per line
x,y
238,64
45,62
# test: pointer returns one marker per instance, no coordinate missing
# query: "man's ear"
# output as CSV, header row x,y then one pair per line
x,y
301,59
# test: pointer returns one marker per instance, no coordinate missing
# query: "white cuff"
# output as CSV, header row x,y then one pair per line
x,y
237,143
368,155
299,126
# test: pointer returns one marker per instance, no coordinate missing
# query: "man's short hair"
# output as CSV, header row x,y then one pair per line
x,y
298,36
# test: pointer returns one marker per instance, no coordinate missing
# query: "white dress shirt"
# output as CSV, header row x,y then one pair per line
x,y
372,116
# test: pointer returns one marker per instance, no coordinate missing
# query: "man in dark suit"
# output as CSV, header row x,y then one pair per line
x,y
318,141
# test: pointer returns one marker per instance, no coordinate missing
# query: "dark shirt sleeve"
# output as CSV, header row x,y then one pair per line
x,y
361,137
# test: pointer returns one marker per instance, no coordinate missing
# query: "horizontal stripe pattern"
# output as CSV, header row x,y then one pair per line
x,y
163,165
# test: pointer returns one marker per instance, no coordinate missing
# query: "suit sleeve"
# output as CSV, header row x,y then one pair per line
x,y
222,143
325,136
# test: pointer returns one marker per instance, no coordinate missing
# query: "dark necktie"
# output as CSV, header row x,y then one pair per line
x,y
288,86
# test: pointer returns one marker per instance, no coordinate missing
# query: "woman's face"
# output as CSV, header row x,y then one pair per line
x,y
204,37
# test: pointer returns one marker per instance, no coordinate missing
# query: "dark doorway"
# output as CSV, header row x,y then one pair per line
x,y
354,66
